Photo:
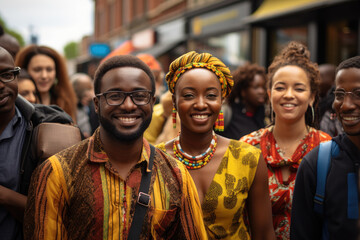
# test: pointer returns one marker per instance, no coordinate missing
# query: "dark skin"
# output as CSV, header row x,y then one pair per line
x,y
126,118
13,201
197,99
254,96
348,109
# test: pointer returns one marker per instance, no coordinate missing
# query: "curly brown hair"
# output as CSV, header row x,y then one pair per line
x,y
297,54
62,93
243,76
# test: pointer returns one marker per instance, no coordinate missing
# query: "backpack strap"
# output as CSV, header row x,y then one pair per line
x,y
323,164
353,203
143,201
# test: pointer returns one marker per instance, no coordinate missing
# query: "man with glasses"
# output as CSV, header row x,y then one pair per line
x,y
93,190
18,118
328,207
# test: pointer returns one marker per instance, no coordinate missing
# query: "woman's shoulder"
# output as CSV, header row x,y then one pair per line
x,y
242,154
323,136
254,137
242,147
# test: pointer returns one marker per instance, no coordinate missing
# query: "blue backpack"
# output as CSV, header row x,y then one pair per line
x,y
327,150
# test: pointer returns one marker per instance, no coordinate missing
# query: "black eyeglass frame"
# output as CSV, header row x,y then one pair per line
x,y
352,94
126,95
15,72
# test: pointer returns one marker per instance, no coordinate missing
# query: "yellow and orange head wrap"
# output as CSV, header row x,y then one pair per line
x,y
200,60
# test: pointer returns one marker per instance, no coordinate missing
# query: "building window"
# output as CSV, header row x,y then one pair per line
x,y
111,16
342,41
281,36
232,48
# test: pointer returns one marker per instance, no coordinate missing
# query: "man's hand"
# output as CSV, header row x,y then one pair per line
x,y
14,202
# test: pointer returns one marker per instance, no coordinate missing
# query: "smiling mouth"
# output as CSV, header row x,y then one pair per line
x,y
127,119
288,105
350,118
4,99
201,117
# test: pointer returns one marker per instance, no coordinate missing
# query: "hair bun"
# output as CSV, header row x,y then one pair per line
x,y
295,50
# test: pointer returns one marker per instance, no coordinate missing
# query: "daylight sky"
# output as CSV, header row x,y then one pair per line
x,y
55,22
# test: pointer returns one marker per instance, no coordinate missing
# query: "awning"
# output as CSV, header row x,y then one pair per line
x,y
125,48
160,49
270,9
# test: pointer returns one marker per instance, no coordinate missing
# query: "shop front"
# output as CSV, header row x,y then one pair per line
x,y
329,28
222,33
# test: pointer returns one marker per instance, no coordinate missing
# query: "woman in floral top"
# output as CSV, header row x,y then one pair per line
x,y
293,87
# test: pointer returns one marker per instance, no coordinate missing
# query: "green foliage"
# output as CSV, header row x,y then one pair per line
x,y
71,50
17,36
12,32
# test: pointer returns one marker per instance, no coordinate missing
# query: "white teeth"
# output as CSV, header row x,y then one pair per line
x,y
127,119
289,105
350,118
200,116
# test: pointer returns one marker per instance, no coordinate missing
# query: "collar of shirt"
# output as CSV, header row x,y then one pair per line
x,y
9,131
96,153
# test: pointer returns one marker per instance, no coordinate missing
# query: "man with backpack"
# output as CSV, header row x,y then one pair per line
x,y
326,195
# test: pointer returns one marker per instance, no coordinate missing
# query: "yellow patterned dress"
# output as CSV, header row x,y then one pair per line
x,y
224,203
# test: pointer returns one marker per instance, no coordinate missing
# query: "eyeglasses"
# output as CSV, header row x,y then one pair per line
x,y
116,98
340,95
9,75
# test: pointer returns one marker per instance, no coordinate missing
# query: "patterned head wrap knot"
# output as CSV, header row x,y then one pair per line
x,y
200,60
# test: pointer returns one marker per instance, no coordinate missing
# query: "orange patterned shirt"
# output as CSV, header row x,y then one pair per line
x,y
77,194
281,192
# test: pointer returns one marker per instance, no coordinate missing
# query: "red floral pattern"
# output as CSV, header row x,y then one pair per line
x,y
281,192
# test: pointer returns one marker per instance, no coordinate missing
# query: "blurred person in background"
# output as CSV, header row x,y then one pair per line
x,y
293,93
163,105
86,116
26,86
161,127
328,122
158,72
244,110
327,79
48,69
169,129
8,42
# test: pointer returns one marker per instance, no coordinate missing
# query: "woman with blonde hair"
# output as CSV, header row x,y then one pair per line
x,y
48,70
230,176
293,87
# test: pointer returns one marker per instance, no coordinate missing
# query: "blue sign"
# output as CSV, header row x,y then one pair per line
x,y
99,49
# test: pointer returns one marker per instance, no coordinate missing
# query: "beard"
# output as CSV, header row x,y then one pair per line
x,y
111,129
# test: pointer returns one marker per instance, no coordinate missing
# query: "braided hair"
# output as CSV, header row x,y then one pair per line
x,y
200,60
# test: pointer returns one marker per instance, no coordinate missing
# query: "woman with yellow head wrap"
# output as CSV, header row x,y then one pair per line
x,y
230,176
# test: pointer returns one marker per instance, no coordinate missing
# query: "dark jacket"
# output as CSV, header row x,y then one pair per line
x,y
305,222
34,115
238,123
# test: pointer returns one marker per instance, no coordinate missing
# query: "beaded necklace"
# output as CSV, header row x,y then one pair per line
x,y
194,162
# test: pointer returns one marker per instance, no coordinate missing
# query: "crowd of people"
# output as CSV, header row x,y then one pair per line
x,y
195,151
